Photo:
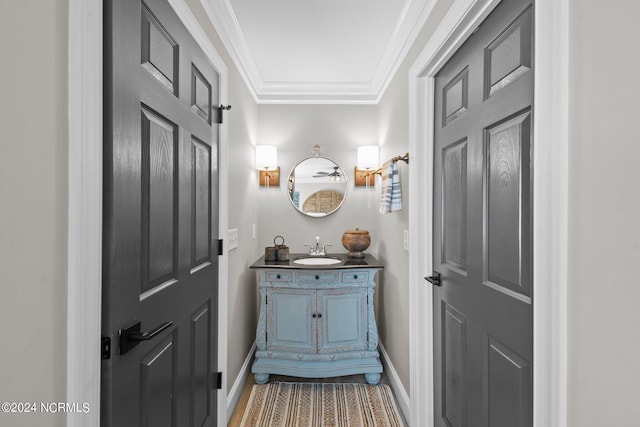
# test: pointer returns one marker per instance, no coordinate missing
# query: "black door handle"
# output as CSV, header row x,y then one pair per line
x,y
434,279
131,335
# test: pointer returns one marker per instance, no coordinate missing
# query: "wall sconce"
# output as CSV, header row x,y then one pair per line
x,y
267,165
367,163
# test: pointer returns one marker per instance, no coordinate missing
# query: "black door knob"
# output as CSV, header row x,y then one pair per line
x,y
434,279
132,335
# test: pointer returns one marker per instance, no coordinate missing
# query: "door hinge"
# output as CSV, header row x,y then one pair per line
x,y
218,113
217,381
220,247
105,348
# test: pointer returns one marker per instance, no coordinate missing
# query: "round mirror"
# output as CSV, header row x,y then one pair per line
x,y
317,186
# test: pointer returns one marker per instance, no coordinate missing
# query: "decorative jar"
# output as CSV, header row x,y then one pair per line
x,y
356,241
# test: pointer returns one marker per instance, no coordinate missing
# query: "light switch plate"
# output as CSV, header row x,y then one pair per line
x,y
233,238
253,231
405,240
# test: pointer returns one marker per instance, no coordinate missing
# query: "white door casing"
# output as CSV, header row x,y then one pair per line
x,y
85,205
550,203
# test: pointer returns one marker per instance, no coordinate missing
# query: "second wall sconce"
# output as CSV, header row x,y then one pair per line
x,y
368,157
267,165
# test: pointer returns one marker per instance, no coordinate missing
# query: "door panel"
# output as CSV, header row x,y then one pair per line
x,y
159,51
510,56
508,258
483,321
454,360
200,95
160,219
159,200
157,386
454,205
201,202
199,377
509,386
456,97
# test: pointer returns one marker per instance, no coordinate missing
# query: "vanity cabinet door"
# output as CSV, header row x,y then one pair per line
x,y
290,325
343,323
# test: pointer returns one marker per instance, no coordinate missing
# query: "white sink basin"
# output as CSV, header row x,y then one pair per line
x,y
316,261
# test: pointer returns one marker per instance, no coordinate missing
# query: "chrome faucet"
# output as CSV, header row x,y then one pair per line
x,y
315,248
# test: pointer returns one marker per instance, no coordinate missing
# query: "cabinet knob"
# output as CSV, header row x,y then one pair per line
x,y
278,276
317,277
314,315
319,315
355,276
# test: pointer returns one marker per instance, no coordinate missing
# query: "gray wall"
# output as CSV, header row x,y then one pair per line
x,y
393,128
33,214
604,233
294,129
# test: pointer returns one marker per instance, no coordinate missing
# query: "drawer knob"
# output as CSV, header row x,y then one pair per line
x,y
317,277
278,276
355,276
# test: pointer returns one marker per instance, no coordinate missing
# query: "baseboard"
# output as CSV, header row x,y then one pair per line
x,y
238,385
402,397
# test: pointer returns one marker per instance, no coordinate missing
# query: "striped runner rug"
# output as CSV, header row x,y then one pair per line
x,y
283,404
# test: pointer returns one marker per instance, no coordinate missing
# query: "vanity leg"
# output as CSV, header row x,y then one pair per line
x,y
372,379
261,378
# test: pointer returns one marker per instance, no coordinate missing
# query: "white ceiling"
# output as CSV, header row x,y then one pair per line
x,y
318,51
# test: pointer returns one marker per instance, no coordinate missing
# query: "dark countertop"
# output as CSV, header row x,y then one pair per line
x,y
367,262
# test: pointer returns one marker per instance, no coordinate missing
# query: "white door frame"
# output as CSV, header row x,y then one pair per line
x,y
84,250
550,219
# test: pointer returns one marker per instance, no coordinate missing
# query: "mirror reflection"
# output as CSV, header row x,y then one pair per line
x,y
317,186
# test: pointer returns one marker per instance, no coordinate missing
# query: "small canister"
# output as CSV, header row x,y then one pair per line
x,y
270,253
282,251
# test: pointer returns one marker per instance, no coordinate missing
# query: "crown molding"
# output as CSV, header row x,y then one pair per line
x,y
404,35
226,24
412,19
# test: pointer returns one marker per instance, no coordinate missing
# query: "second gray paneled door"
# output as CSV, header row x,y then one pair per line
x,y
483,317
160,258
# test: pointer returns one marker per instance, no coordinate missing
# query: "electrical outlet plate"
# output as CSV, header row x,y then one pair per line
x,y
233,238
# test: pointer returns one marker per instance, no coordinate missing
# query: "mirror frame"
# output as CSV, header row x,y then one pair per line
x,y
310,214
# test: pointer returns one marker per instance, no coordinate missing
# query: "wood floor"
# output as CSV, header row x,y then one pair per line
x,y
236,418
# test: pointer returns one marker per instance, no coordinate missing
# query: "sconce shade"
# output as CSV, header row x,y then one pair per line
x,y
266,157
368,157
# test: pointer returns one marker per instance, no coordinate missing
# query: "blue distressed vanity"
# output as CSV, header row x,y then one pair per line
x,y
317,321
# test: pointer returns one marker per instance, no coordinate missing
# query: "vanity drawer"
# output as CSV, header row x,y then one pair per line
x,y
278,276
355,276
317,276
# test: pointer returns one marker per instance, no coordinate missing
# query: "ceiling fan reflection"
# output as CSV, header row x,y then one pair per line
x,y
334,175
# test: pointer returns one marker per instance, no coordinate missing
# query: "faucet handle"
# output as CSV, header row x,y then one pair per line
x,y
310,247
323,248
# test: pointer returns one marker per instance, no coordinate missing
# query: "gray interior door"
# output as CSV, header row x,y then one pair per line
x,y
160,262
483,318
